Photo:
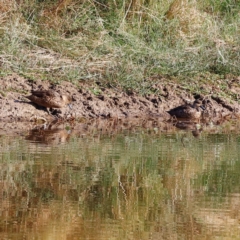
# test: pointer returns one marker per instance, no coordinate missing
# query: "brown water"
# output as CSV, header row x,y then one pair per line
x,y
131,185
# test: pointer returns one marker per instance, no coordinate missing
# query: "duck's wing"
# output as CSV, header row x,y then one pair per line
x,y
44,93
183,111
181,108
38,93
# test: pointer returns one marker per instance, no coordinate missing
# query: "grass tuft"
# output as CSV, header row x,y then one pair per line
x,y
119,43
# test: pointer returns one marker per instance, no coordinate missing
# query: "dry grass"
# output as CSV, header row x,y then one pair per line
x,y
120,43
192,22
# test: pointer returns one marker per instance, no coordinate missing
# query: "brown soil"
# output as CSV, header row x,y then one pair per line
x,y
95,102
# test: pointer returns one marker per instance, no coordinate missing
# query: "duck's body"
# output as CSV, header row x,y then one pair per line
x,y
188,111
49,99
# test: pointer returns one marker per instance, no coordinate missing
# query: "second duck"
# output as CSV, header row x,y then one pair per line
x,y
188,111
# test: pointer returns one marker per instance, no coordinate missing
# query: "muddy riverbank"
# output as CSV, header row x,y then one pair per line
x,y
91,101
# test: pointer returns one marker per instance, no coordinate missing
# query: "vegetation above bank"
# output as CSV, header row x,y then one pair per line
x,y
123,44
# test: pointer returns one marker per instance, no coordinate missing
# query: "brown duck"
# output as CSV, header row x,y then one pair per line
x,y
188,111
49,99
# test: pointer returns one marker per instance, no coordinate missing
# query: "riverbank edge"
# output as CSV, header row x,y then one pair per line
x,y
93,101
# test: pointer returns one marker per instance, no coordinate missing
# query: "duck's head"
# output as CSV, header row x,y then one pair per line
x,y
66,99
198,104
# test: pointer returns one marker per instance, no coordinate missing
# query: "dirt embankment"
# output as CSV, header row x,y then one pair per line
x,y
93,101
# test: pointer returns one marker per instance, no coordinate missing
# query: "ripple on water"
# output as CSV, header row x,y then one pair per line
x,y
125,186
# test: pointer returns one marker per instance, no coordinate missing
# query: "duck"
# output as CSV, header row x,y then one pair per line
x,y
49,99
188,111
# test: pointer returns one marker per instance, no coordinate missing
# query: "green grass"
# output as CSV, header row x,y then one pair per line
x,y
120,44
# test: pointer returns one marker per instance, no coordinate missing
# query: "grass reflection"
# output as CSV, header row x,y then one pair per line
x,y
124,186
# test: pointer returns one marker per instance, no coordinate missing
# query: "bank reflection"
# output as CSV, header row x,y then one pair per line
x,y
124,186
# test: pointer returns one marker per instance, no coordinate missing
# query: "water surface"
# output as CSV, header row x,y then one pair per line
x,y
130,185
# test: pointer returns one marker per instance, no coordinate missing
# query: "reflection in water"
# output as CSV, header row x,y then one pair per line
x,y
58,184
49,137
196,129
